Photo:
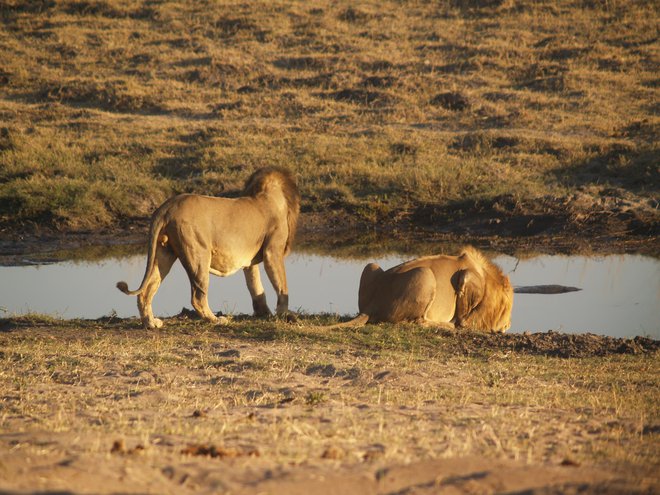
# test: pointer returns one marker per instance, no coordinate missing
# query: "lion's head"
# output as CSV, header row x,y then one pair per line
x,y
485,295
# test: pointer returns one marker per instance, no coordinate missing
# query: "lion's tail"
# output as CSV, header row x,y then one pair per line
x,y
359,321
154,238
123,286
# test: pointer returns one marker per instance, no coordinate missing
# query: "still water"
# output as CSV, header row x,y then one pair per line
x,y
620,294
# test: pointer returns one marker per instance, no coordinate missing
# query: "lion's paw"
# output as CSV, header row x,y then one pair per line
x,y
223,320
153,323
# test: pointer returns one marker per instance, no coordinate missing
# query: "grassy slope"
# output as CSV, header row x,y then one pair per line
x,y
378,107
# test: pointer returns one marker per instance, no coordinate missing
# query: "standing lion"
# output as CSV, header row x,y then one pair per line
x,y
220,236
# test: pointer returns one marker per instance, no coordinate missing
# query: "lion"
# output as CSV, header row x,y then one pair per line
x,y
220,236
465,291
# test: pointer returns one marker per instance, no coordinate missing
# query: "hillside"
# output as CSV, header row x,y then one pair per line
x,y
489,117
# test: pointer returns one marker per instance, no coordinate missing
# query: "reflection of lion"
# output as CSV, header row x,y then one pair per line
x,y
221,236
465,291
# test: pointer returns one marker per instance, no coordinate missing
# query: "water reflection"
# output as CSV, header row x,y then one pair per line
x,y
620,293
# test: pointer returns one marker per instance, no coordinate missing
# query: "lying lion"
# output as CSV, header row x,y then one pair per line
x,y
465,291
220,236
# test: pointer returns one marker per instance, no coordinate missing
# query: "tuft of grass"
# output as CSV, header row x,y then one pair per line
x,y
314,398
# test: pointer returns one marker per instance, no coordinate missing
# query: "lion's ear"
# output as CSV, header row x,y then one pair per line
x,y
469,287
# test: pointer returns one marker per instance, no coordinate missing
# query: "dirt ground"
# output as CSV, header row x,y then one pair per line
x,y
104,406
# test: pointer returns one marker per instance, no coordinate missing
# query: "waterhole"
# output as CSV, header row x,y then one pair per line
x,y
619,296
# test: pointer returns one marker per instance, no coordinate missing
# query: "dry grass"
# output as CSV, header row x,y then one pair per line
x,y
378,107
295,393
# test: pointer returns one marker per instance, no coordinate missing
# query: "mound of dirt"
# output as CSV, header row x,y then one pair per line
x,y
554,344
576,215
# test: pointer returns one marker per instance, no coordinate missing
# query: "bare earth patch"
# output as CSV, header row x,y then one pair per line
x,y
269,407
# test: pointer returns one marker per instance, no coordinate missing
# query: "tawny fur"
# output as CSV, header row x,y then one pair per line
x,y
220,236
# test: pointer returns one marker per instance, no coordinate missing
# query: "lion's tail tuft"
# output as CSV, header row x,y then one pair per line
x,y
123,286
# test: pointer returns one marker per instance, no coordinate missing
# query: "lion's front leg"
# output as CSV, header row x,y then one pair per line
x,y
444,325
274,264
253,280
282,304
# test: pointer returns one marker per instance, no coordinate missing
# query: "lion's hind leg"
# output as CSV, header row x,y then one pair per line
x,y
199,288
165,258
412,294
197,263
369,285
404,296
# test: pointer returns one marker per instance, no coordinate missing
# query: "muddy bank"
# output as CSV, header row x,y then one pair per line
x,y
553,343
550,226
577,224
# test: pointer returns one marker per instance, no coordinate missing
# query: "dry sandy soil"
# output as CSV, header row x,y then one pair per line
x,y
273,407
